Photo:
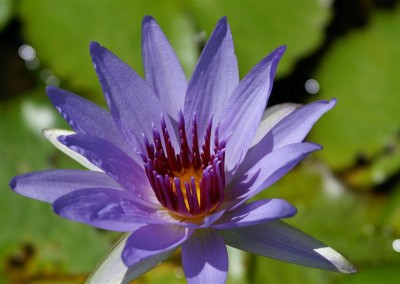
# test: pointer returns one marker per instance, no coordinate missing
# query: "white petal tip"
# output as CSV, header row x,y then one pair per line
x,y
53,134
333,101
336,259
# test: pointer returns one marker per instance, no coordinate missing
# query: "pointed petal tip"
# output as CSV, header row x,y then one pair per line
x,y
311,147
282,48
94,45
45,132
352,269
97,53
147,19
330,103
347,268
337,260
50,90
51,133
318,147
291,210
57,96
222,24
223,20
95,48
279,51
13,183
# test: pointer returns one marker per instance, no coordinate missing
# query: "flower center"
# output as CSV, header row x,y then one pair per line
x,y
190,184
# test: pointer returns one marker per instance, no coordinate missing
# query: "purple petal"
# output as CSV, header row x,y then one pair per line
x,y
294,127
49,185
113,270
133,104
291,129
113,161
255,213
271,117
87,118
108,209
244,109
281,241
214,79
249,181
152,240
53,134
163,72
204,258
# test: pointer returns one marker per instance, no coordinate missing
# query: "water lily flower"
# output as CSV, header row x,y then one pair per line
x,y
175,163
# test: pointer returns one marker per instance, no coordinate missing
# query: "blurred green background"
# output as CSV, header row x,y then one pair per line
x,y
348,195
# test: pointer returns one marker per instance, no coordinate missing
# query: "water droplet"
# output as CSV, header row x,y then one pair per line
x,y
396,245
27,52
312,86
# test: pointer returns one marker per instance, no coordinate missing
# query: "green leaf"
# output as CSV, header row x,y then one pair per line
x,y
381,168
361,71
258,27
61,31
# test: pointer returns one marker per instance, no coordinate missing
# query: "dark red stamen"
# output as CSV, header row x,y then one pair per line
x,y
189,184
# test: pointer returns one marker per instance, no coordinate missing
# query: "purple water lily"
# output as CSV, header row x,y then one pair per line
x,y
174,164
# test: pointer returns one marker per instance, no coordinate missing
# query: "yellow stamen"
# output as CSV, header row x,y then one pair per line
x,y
185,176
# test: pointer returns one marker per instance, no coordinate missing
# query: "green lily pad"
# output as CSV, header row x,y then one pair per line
x,y
258,27
61,31
361,71
6,9
383,167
